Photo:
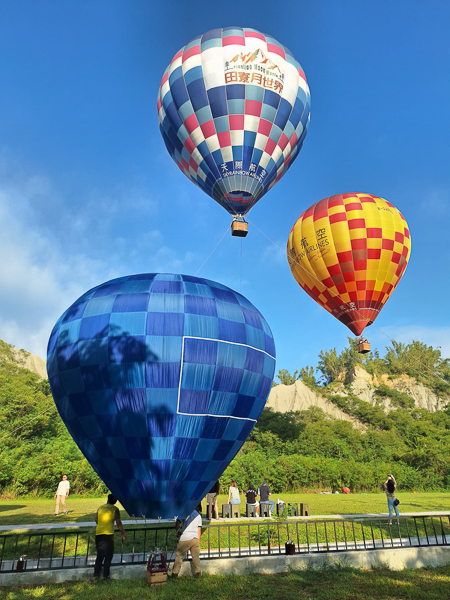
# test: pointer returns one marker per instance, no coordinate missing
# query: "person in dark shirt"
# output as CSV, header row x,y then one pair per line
x,y
251,494
211,499
264,493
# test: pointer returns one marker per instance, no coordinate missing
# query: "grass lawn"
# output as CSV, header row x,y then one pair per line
x,y
329,583
340,583
22,511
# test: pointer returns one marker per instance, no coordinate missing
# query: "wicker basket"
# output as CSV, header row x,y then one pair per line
x,y
239,228
363,347
156,569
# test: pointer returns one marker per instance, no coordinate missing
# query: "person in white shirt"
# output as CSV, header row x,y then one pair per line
x,y
189,541
61,494
233,494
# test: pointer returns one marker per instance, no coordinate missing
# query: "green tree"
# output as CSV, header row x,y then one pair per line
x,y
286,378
307,376
330,365
415,359
286,426
350,357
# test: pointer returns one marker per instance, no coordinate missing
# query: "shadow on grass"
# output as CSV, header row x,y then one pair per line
x,y
19,520
420,507
8,507
336,583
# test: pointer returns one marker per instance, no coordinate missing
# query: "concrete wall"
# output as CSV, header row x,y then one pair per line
x,y
395,559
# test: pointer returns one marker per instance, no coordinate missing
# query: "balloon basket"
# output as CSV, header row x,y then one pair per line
x,y
239,228
156,568
363,347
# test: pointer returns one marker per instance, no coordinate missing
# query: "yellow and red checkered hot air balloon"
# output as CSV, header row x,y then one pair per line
x,y
348,252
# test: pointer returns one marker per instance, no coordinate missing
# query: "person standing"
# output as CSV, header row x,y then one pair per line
x,y
61,494
264,493
104,536
211,499
390,486
190,535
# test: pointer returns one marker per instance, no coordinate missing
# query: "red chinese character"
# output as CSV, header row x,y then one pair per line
x,y
257,78
278,87
230,76
268,82
244,77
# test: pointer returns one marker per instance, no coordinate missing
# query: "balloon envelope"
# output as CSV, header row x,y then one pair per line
x,y
348,252
233,110
159,379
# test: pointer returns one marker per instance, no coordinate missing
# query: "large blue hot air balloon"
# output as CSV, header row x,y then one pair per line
x,y
159,379
233,110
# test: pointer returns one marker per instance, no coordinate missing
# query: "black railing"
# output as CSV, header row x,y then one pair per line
x,y
330,535
75,549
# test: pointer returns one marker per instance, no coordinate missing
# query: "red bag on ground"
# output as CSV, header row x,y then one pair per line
x,y
346,490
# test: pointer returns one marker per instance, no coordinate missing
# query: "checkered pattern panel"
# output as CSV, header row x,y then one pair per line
x,y
159,379
233,109
348,252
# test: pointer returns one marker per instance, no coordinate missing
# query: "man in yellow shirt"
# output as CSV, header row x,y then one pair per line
x,y
104,536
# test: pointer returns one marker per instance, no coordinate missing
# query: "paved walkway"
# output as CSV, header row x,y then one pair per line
x,y
65,524
136,522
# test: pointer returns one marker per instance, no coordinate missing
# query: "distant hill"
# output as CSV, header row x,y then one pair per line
x,y
370,419
372,415
35,446
23,359
299,397
363,385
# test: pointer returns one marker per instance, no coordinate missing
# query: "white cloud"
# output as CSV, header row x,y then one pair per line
x,y
274,253
438,337
45,267
37,282
436,203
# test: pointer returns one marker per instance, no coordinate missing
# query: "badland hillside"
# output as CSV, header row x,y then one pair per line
x,y
349,421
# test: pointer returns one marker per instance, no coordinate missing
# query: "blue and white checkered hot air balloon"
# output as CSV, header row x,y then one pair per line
x,y
233,110
159,379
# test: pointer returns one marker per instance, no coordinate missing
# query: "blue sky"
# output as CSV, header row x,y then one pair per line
x,y
88,191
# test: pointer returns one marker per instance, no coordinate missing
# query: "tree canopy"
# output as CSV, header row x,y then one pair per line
x,y
306,450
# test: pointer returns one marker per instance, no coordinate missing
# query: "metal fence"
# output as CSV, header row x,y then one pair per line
x,y
75,549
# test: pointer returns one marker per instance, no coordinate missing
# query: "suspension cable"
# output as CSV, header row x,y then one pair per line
x,y
226,231
17,428
240,272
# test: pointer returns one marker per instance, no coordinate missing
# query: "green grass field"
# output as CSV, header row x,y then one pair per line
x,y
330,583
24,511
341,583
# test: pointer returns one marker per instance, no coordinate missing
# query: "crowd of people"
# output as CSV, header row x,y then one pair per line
x,y
189,530
234,498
